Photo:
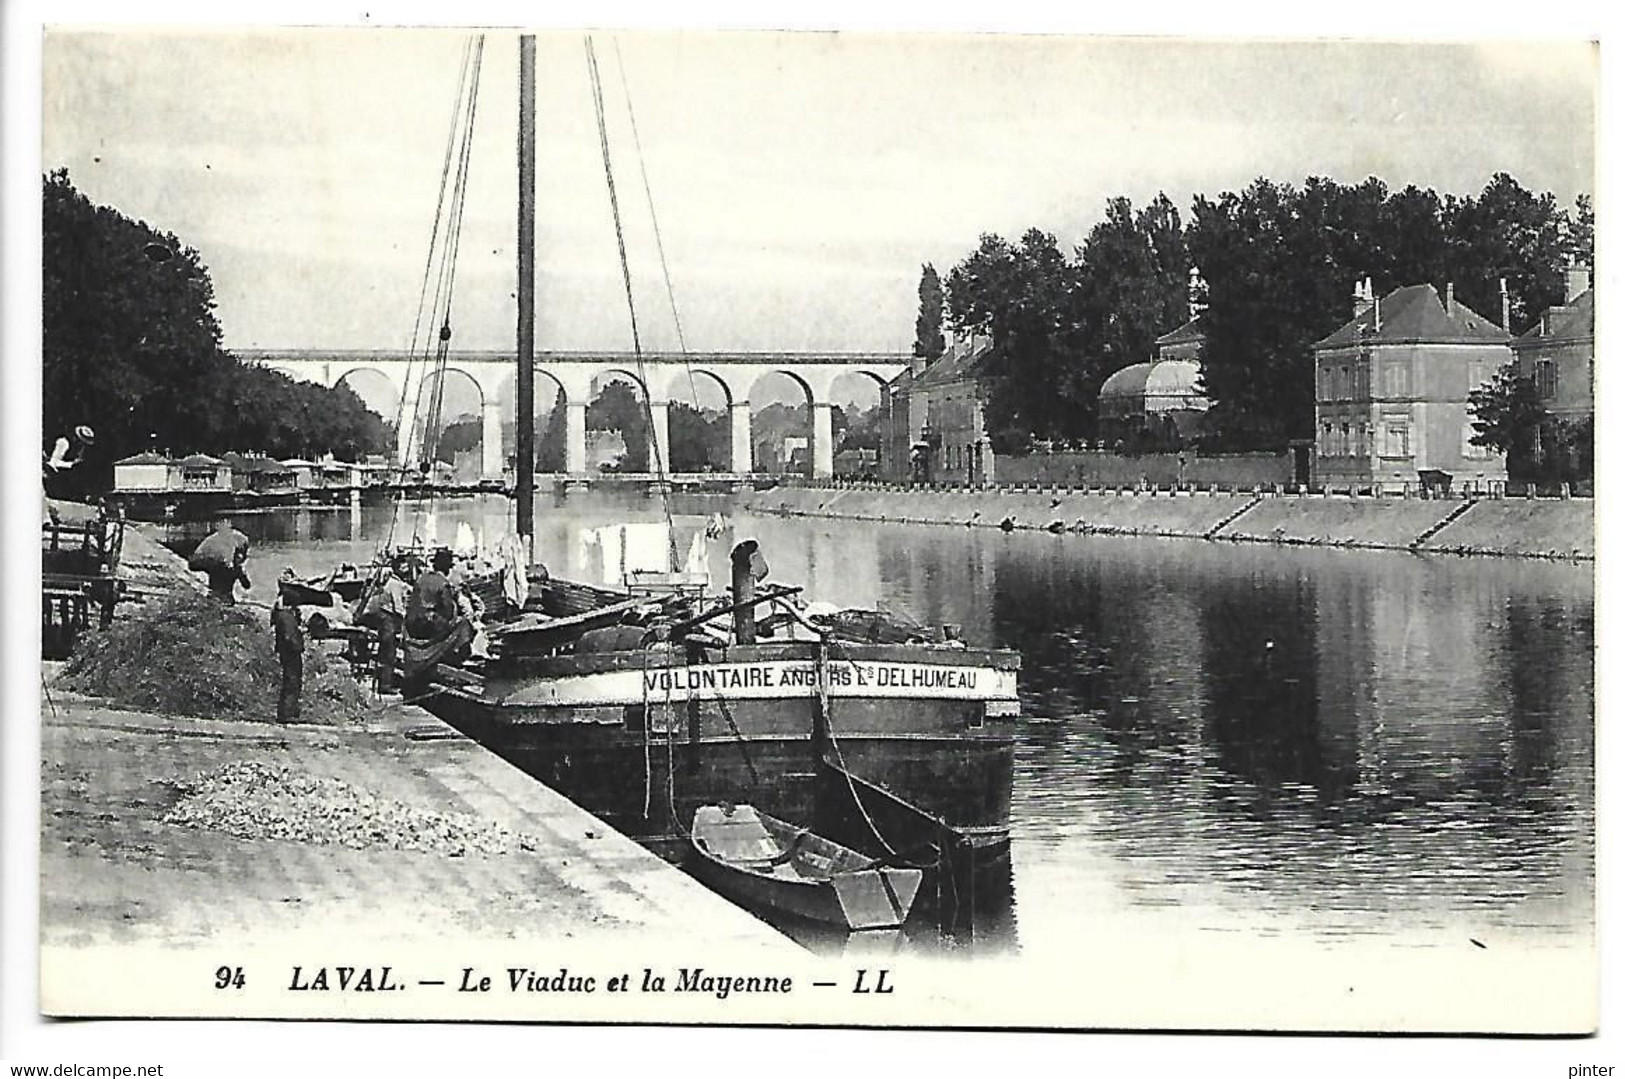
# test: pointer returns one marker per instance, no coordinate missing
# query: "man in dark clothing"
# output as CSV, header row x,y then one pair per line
x,y
290,652
435,631
431,610
220,557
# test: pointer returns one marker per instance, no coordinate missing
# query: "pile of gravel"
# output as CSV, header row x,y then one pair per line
x,y
194,656
250,800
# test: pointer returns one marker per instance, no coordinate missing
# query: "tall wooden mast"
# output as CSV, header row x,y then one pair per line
x,y
525,420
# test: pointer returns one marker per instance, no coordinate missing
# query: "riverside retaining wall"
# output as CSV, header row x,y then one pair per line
x,y
1540,528
1549,528
1162,469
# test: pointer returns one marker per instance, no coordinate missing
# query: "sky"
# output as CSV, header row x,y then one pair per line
x,y
800,179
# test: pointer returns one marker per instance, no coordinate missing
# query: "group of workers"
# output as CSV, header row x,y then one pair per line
x,y
433,620
435,616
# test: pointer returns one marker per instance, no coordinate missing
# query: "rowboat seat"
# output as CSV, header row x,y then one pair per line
x,y
790,850
739,837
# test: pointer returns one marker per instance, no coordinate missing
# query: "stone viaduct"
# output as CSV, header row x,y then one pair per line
x,y
573,373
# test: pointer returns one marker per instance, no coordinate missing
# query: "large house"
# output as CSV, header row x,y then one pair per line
x,y
147,471
935,427
902,417
1391,389
1558,352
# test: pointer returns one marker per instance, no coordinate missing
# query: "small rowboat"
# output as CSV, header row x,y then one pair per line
x,y
762,861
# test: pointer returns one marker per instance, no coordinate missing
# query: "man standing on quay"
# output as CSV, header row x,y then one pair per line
x,y
290,652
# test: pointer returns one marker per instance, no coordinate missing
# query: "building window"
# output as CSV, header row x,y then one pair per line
x,y
1325,440
1396,380
1546,378
1396,439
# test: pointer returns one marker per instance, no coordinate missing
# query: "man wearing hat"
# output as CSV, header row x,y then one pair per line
x,y
65,454
67,451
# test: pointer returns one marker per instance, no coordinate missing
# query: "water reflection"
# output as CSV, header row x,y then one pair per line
x,y
1348,742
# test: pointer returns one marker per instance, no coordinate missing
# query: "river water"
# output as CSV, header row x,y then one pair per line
x,y
1218,738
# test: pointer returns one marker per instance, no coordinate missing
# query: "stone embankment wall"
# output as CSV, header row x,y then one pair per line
x,y
1537,528
1161,469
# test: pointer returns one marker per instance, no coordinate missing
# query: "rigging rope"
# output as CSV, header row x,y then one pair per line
x,y
448,269
648,194
631,305
826,648
443,238
660,246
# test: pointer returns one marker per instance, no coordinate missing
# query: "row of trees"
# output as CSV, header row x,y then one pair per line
x,y
132,348
1277,267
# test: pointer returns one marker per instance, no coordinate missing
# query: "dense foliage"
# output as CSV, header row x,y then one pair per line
x,y
132,349
928,339
1508,417
1277,264
699,438
1024,296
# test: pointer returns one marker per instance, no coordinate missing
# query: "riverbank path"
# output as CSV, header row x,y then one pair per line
x,y
113,871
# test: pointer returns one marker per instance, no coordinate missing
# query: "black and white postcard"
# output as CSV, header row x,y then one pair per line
x,y
802,529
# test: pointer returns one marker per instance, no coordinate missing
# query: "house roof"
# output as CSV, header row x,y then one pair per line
x,y
146,457
1415,314
959,363
1576,321
1190,331
242,462
198,460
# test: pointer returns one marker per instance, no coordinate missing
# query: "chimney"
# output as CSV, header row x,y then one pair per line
x,y
1362,297
1576,279
1506,308
1449,297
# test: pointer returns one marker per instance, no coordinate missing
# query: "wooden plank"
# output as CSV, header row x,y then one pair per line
x,y
530,624
458,676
